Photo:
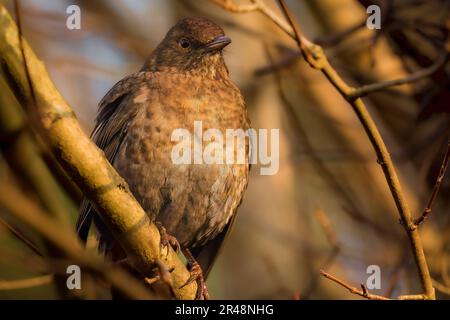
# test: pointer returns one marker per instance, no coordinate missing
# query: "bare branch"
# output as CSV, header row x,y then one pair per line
x,y
317,59
324,221
421,74
441,287
436,188
363,293
231,6
259,6
21,237
16,204
85,163
26,283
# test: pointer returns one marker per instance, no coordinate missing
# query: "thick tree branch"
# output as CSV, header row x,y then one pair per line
x,y
85,163
22,154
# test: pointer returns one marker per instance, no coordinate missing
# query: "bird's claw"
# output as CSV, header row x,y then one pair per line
x,y
167,239
196,274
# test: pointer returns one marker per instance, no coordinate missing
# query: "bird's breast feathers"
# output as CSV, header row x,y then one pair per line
x,y
194,200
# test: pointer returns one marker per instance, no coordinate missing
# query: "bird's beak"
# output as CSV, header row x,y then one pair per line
x,y
218,43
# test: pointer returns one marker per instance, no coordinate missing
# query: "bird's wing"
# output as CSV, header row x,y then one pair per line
x,y
114,113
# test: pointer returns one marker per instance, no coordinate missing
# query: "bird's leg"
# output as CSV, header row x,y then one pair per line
x,y
167,239
196,275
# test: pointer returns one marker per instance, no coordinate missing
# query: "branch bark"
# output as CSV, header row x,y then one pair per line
x,y
316,58
23,155
363,292
416,76
85,163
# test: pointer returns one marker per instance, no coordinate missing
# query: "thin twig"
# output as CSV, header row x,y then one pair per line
x,y
441,287
256,5
26,283
396,274
351,206
231,6
317,59
302,42
293,31
324,221
444,270
418,75
436,187
363,293
338,37
32,216
22,238
291,56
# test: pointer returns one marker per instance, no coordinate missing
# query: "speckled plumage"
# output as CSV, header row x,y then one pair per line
x,y
175,87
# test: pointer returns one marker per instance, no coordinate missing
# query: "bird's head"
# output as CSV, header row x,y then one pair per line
x,y
193,44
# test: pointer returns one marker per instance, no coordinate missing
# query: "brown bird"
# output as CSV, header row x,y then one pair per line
x,y
184,80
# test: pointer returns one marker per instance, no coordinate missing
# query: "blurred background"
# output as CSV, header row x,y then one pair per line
x,y
329,206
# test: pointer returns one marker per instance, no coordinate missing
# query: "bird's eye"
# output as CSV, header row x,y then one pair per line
x,y
184,43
